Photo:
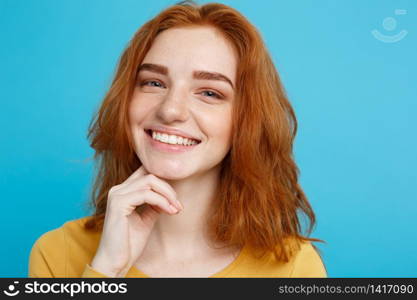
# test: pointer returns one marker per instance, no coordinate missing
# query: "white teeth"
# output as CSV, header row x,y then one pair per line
x,y
172,139
165,138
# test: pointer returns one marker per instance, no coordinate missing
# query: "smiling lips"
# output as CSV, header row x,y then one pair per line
x,y
171,138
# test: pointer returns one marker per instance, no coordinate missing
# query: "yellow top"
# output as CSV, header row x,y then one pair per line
x,y
67,252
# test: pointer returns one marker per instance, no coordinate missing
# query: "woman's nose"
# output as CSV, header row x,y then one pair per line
x,y
174,107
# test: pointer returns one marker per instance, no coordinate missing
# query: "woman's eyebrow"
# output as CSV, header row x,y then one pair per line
x,y
153,68
196,74
212,76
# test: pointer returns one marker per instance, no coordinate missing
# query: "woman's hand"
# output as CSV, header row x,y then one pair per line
x,y
125,231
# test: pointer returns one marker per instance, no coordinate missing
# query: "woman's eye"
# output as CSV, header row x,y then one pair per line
x,y
152,83
211,94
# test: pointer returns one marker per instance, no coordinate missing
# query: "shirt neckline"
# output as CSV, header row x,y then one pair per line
x,y
226,270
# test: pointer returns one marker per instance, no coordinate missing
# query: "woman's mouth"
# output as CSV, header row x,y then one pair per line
x,y
169,142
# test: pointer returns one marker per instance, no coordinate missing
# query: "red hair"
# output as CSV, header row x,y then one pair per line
x,y
258,197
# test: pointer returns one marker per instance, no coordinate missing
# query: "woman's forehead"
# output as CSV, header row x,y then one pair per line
x,y
188,49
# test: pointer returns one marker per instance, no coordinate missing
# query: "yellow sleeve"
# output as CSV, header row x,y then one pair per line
x,y
47,256
308,263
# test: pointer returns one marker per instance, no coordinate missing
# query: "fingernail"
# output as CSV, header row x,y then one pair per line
x,y
173,209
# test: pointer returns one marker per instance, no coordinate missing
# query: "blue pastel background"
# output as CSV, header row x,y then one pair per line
x,y
355,98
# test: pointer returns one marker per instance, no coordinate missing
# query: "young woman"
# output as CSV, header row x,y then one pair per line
x,y
196,176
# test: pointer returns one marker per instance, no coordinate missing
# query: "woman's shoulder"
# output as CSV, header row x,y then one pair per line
x,y
307,261
55,251
304,261
70,230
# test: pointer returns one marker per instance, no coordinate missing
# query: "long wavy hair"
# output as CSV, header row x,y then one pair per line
x,y
258,196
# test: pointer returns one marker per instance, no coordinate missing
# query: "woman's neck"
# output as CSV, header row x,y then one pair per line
x,y
185,234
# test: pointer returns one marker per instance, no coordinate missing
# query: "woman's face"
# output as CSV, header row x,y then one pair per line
x,y
185,88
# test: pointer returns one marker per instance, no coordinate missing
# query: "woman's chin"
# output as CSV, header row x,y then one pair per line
x,y
170,175
169,172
